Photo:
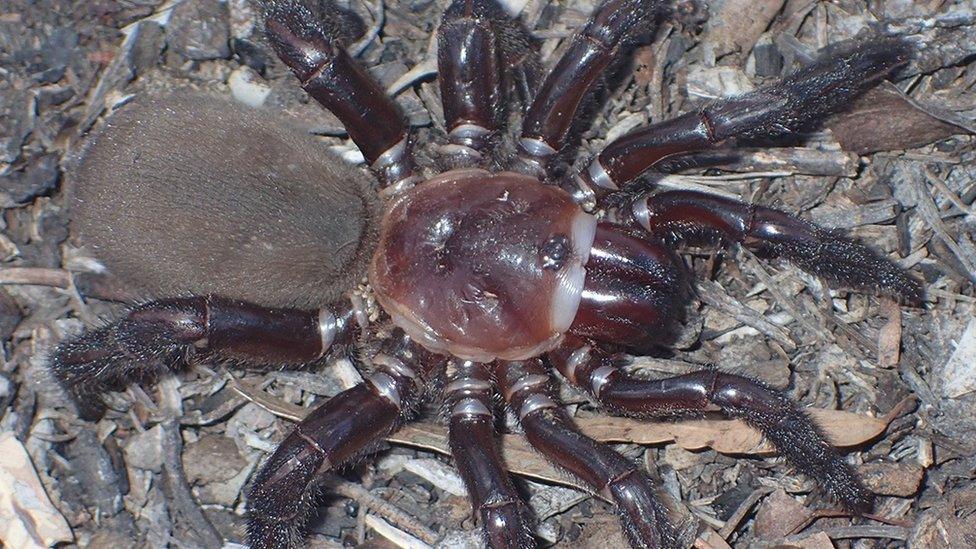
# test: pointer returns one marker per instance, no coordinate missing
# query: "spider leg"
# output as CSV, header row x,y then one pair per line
x,y
337,432
691,215
159,335
824,86
547,123
477,44
497,506
636,291
470,79
519,58
550,430
780,420
302,36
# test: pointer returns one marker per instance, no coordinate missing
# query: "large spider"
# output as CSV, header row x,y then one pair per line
x,y
252,238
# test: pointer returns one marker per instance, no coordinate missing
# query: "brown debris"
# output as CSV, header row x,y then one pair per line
x,y
779,515
892,479
711,540
885,119
738,24
949,523
889,336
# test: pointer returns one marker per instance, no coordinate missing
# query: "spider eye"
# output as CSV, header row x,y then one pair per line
x,y
554,253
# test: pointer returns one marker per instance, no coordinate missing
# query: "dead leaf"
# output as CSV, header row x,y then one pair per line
x,y
885,119
728,436
844,429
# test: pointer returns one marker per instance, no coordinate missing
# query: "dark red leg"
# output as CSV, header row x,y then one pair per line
x,y
547,123
496,504
816,90
470,79
301,35
636,290
789,429
690,215
551,431
161,334
341,429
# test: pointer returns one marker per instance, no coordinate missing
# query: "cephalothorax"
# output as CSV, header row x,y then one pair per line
x,y
248,236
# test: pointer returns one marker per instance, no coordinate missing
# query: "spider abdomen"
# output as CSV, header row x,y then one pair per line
x,y
483,266
245,207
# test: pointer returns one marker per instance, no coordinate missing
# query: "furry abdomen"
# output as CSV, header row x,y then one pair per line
x,y
192,194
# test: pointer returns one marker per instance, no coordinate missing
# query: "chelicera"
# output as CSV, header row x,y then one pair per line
x,y
496,271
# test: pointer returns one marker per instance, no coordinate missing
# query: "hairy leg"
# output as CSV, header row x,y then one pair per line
x,y
613,26
338,431
305,37
481,54
779,419
691,216
520,59
470,79
825,86
497,506
160,335
550,430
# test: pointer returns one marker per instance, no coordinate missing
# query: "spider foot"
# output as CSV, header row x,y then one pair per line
x,y
550,430
837,258
341,430
292,23
798,438
834,79
695,216
779,419
137,347
642,515
309,37
824,86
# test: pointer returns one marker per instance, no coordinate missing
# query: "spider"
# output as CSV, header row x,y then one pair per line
x,y
493,273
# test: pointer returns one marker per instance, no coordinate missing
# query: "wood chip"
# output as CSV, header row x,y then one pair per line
x,y
439,474
778,515
820,540
738,24
847,214
892,479
709,539
716,296
796,160
395,535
